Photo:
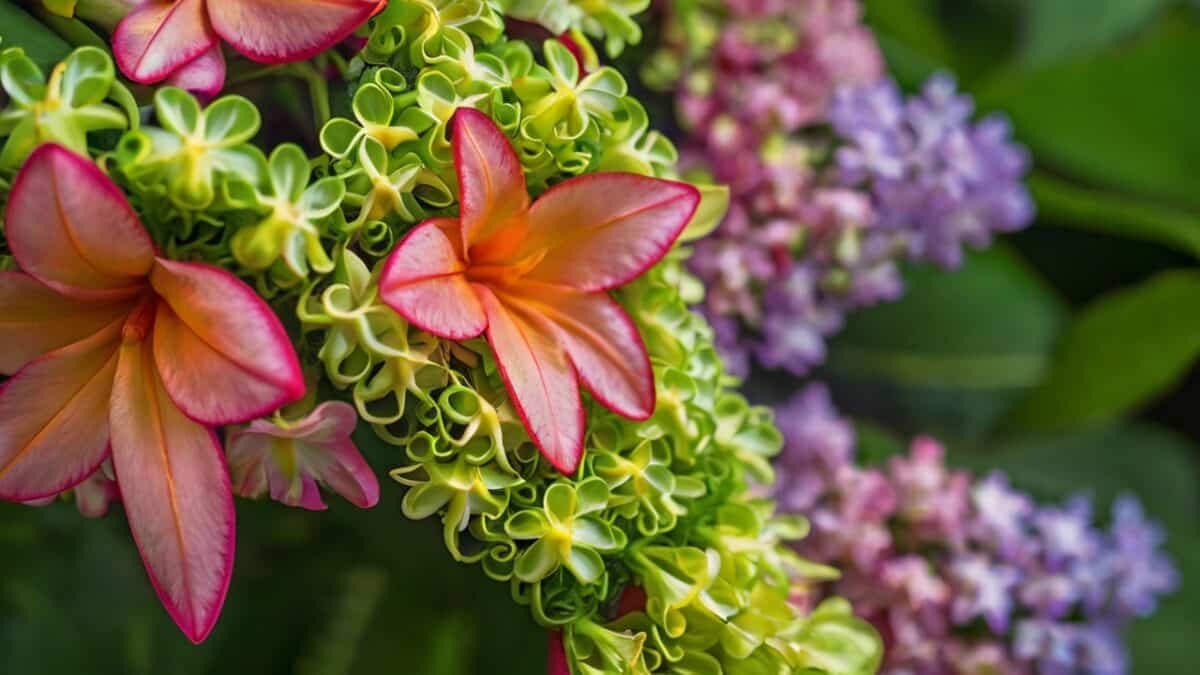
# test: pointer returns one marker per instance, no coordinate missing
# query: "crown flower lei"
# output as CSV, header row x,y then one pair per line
x,y
480,260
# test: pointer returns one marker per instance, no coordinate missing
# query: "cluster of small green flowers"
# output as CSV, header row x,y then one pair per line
x,y
664,506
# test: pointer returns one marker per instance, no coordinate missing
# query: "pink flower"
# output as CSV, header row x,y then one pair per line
x,y
289,459
181,40
117,353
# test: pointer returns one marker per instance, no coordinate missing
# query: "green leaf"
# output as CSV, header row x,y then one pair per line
x,y
1120,352
1054,29
18,29
1066,204
1123,119
955,353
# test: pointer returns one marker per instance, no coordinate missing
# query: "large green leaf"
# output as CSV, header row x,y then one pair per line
x,y
19,29
1057,28
955,353
1122,120
1118,353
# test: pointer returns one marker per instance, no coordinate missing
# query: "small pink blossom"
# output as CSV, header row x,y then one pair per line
x,y
289,459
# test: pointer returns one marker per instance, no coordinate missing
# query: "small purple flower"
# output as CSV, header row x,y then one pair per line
x,y
1066,533
1001,515
984,590
1140,571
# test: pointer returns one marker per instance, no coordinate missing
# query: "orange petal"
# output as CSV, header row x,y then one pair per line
x,y
603,344
222,353
271,31
604,230
491,182
72,229
423,281
176,492
158,38
539,378
35,320
54,418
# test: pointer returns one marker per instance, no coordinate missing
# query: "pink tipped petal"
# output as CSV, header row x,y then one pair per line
x,y
424,282
72,229
491,181
557,655
604,345
204,76
54,418
271,31
223,354
176,493
540,380
331,421
345,471
35,320
249,454
604,230
299,491
161,36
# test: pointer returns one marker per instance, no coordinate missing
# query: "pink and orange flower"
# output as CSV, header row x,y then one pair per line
x,y
180,40
119,354
535,278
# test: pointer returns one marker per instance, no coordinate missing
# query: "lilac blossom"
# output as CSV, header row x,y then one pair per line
x,y
834,176
966,574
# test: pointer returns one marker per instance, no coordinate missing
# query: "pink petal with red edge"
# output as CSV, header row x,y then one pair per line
x,y
331,421
72,229
556,657
491,181
176,492
271,31
223,354
604,230
158,38
424,281
602,342
204,76
341,466
54,418
541,381
249,455
35,320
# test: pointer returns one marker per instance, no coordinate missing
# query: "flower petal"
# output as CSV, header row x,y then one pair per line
x,y
271,31
331,421
72,229
424,282
603,344
341,466
491,181
158,38
540,379
223,354
54,418
557,655
94,495
604,230
176,493
204,76
35,320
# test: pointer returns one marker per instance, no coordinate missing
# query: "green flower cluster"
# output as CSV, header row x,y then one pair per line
x,y
664,508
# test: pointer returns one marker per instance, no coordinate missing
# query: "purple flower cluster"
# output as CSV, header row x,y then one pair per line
x,y
963,574
833,175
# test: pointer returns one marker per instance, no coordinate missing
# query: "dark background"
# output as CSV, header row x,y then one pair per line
x,y
1065,355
